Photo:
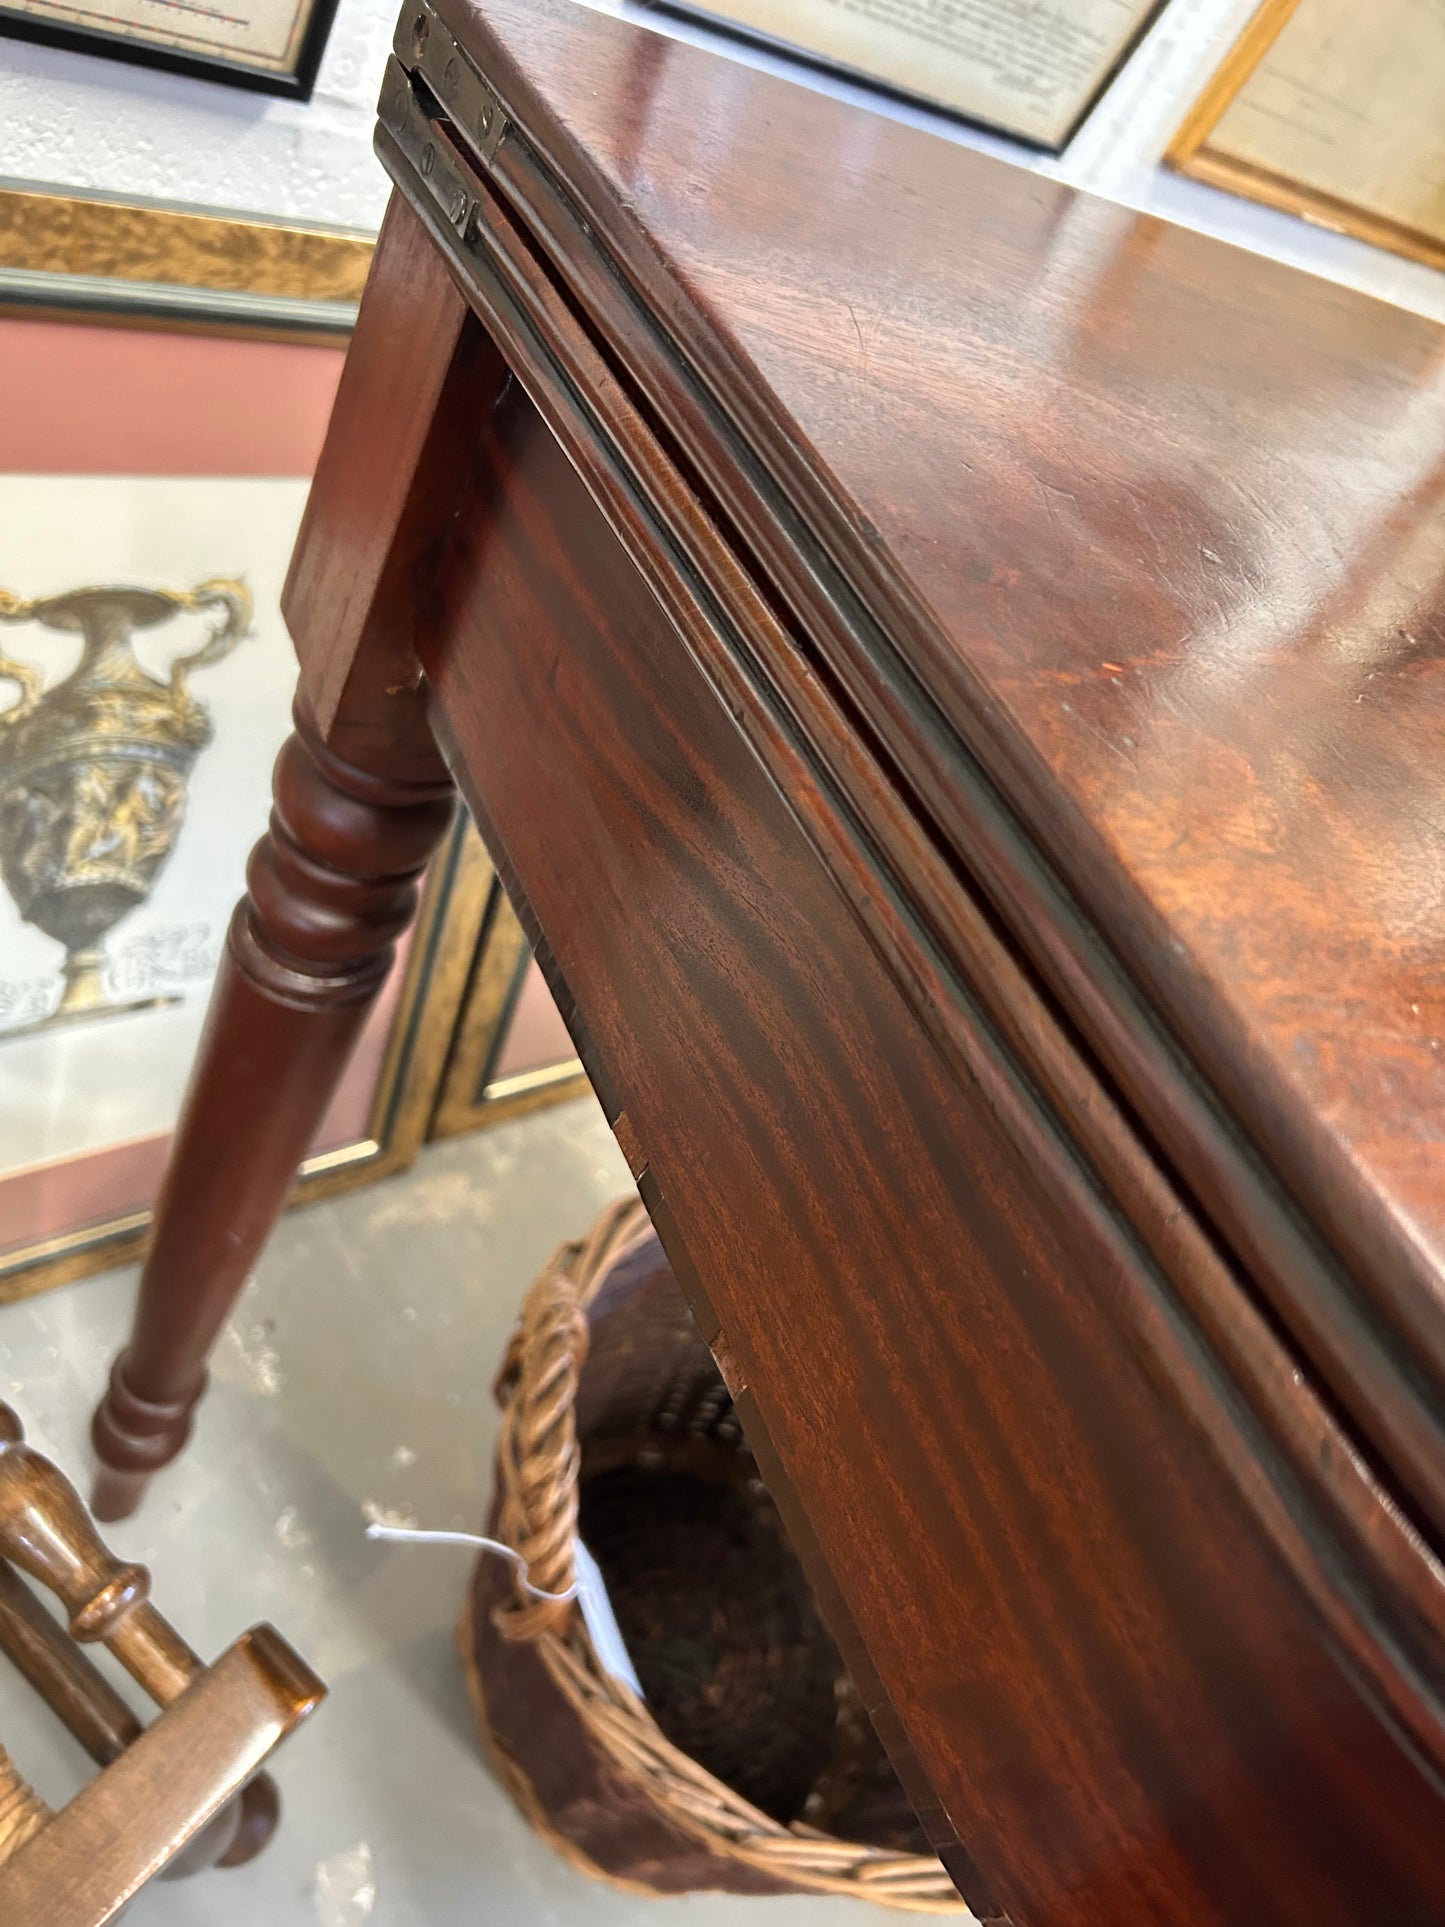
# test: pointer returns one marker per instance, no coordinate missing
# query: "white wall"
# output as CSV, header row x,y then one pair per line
x,y
71,120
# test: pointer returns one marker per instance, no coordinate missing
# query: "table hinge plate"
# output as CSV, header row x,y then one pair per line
x,y
427,51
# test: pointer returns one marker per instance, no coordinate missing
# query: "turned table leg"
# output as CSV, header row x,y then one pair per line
x,y
362,797
331,886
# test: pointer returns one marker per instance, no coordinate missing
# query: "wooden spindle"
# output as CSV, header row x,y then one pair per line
x,y
69,1683
46,1531
22,1812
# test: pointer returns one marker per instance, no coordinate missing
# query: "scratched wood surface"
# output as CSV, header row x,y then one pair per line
x,y
811,526
1121,1703
1140,533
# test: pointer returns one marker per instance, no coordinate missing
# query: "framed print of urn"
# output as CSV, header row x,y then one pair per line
x,y
1032,69
93,772
151,481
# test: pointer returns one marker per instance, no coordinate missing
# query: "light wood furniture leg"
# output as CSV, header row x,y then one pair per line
x,y
181,1794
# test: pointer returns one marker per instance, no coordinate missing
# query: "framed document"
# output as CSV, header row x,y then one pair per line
x,y
1030,68
1335,111
273,45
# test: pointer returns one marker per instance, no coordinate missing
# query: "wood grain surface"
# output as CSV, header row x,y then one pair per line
x,y
1330,1513
1128,546
1104,1672
792,847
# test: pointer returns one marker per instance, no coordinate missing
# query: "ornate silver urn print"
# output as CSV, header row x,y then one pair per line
x,y
93,771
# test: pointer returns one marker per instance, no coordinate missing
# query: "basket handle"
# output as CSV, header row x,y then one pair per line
x,y
539,1459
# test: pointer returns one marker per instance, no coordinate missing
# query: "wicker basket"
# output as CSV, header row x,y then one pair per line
x,y
750,1767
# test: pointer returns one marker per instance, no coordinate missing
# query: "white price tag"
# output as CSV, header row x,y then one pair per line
x,y
601,1621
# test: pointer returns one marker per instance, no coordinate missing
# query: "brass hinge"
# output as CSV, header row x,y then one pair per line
x,y
427,51
427,142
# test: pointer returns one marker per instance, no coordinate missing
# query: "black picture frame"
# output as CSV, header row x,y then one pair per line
x,y
701,13
298,84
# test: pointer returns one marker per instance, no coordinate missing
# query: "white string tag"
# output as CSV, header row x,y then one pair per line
x,y
601,1621
589,1589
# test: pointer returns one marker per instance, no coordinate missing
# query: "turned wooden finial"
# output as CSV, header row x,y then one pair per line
x,y
46,1531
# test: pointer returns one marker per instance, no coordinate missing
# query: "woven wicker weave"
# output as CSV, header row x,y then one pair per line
x,y
644,1446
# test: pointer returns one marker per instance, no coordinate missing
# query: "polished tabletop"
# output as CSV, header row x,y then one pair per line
x,y
1139,536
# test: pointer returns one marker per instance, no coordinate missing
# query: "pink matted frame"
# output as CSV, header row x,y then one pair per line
x,y
150,399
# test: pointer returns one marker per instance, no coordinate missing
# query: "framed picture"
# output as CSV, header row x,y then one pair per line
x,y
153,471
1033,69
271,45
1333,111
510,1051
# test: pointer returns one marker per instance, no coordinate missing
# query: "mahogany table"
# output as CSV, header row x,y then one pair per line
x,y
950,672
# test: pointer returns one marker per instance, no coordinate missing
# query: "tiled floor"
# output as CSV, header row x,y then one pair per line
x,y
355,1376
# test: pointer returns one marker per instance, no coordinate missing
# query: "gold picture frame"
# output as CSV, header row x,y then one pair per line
x,y
474,1092
132,267
1200,151
68,254
434,983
